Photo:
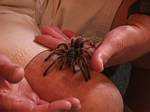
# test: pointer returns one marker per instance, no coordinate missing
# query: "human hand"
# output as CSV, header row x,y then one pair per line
x,y
124,43
121,45
52,36
16,94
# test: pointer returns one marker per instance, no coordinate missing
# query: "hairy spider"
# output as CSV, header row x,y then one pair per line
x,y
75,54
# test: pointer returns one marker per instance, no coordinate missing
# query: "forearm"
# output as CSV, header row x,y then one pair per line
x,y
130,41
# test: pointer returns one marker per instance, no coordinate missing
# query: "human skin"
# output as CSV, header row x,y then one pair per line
x,y
16,95
118,58
98,94
17,35
132,49
122,44
12,94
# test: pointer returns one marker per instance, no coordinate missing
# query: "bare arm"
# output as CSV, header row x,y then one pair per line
x,y
124,43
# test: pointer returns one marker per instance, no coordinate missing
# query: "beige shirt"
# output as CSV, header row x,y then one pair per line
x,y
20,19
90,18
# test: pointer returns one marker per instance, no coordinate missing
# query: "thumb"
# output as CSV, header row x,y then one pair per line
x,y
10,71
101,56
114,42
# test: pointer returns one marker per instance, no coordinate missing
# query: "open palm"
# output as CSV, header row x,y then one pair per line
x,y
16,95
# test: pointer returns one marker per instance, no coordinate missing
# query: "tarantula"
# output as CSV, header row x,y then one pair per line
x,y
75,54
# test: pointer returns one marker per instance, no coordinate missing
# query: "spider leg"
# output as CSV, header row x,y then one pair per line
x,y
85,65
62,45
73,67
91,43
88,47
49,56
72,42
80,63
55,51
85,51
63,63
60,52
53,63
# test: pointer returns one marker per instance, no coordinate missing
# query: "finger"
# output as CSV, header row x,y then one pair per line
x,y
69,33
75,103
101,55
48,41
9,103
54,32
56,106
17,104
10,71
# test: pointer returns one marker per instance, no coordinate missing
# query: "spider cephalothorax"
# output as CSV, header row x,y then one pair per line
x,y
75,55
